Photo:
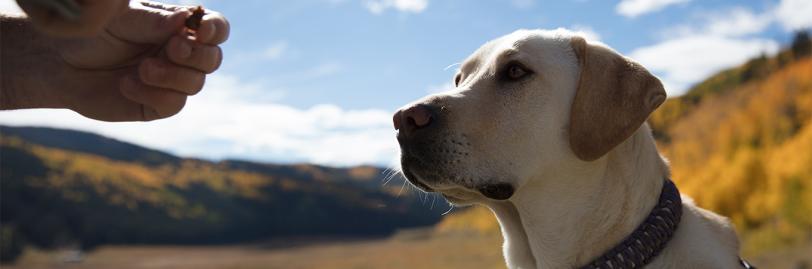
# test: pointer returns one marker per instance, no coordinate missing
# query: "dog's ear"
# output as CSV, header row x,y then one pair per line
x,y
615,96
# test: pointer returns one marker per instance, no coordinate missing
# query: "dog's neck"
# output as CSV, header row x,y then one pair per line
x,y
575,214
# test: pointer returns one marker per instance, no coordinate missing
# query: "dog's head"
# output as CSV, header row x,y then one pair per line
x,y
525,103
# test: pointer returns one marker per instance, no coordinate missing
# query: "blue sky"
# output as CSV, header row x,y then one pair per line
x,y
317,80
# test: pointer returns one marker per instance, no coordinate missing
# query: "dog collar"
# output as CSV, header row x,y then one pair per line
x,y
650,237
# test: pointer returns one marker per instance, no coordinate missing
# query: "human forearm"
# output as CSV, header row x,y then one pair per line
x,y
27,63
141,67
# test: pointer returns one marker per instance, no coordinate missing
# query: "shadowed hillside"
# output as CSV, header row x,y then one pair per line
x,y
67,188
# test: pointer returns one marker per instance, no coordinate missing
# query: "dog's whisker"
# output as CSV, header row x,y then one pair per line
x,y
420,193
392,174
387,172
450,207
401,188
452,65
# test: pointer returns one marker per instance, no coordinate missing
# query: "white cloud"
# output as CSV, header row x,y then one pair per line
x,y
10,7
794,14
738,22
733,22
276,50
715,41
226,120
634,8
586,31
683,61
413,6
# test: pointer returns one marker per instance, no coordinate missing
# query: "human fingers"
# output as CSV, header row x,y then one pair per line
x,y
183,51
214,29
156,103
67,18
143,24
161,73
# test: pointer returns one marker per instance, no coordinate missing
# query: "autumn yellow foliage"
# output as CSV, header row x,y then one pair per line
x,y
747,154
128,184
476,219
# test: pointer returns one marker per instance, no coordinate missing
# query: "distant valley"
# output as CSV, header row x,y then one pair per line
x,y
70,188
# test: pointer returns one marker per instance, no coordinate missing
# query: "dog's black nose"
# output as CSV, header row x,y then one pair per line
x,y
498,191
412,118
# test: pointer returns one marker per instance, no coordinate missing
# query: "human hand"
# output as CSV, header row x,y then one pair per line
x,y
70,18
142,67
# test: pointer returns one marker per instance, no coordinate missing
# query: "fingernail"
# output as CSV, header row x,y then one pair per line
x,y
184,50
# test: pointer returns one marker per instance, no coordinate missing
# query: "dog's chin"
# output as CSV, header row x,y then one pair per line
x,y
432,174
457,192
412,178
426,171
461,200
464,196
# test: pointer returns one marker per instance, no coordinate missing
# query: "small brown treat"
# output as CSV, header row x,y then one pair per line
x,y
193,22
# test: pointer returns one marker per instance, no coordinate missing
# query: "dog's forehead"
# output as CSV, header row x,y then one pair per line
x,y
534,41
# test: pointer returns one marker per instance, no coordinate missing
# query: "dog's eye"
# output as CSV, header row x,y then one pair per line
x,y
515,71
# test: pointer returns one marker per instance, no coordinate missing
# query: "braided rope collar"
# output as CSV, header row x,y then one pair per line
x,y
650,237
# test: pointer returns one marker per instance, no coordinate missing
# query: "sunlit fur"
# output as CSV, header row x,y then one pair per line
x,y
565,211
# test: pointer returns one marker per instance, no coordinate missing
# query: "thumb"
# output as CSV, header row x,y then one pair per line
x,y
143,24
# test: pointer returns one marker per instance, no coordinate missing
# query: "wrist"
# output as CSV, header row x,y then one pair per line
x,y
27,66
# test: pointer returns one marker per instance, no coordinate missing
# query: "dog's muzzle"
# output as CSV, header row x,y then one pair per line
x,y
428,159
416,126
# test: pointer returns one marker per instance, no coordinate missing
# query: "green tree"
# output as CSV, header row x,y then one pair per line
x,y
801,44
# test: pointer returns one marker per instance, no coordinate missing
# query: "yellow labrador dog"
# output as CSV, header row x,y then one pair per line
x,y
548,131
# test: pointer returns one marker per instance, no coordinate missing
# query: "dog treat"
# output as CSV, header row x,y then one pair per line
x,y
193,22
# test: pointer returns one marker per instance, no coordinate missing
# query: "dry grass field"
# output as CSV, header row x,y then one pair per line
x,y
413,250
406,250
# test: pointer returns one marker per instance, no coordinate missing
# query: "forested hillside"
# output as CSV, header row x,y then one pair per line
x,y
66,188
740,144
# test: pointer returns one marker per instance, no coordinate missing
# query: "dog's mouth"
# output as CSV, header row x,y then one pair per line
x,y
412,178
497,191
440,163
426,173
449,184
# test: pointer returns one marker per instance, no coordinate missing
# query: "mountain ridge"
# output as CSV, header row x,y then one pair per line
x,y
65,194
